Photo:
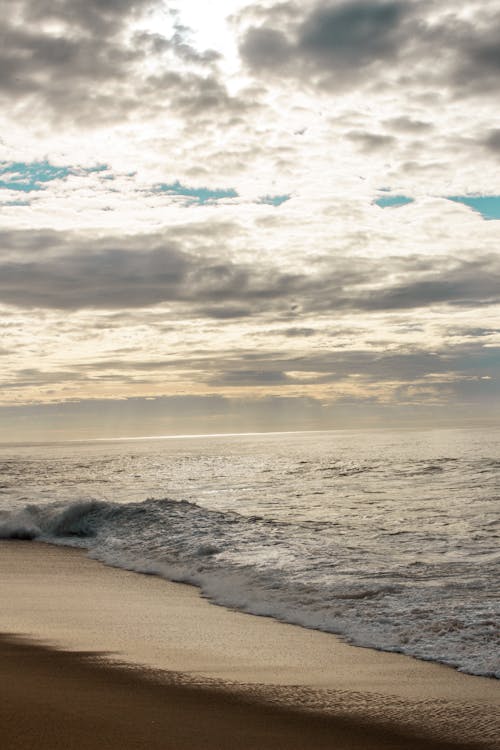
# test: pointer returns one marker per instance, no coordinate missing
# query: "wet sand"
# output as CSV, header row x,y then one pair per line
x,y
203,676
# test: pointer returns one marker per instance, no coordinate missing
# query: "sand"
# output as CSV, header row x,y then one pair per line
x,y
203,676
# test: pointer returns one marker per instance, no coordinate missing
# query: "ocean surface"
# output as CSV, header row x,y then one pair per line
x,y
388,538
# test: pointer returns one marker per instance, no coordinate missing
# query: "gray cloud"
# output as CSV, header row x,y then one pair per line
x,y
334,45
471,331
370,141
467,283
334,42
225,312
141,271
443,370
79,60
492,140
465,375
191,94
478,65
146,270
407,125
373,364
249,378
354,33
34,377
298,332
93,16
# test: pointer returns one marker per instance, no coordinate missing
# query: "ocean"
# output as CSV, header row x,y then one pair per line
x,y
387,538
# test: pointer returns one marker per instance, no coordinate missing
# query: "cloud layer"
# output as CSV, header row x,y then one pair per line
x,y
62,271
233,213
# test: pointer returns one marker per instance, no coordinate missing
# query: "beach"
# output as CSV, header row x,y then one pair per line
x,y
177,671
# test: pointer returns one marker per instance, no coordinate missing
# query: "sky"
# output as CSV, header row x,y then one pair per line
x,y
231,217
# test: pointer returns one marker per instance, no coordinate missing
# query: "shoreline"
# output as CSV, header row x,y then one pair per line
x,y
69,603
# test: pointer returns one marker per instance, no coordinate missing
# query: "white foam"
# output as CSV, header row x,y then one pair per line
x,y
430,610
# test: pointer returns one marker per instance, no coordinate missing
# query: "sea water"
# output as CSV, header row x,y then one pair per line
x,y
388,538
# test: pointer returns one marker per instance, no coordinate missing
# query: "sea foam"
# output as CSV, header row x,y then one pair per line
x,y
307,574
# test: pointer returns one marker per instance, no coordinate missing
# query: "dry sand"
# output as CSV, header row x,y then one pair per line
x,y
222,679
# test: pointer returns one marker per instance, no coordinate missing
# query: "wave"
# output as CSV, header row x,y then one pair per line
x,y
306,575
51,521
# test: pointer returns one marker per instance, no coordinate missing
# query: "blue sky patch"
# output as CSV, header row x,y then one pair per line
x,y
487,205
199,195
97,168
393,201
27,177
274,200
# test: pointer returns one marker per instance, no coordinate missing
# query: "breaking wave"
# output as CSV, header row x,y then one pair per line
x,y
302,573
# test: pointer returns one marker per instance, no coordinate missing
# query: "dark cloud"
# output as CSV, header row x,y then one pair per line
x,y
141,271
29,377
471,331
266,48
370,141
245,378
335,42
443,369
372,43
79,59
225,312
191,94
298,332
466,283
145,270
158,44
93,16
353,33
492,140
478,65
407,125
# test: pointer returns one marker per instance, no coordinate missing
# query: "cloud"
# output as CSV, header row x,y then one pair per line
x,y
336,42
234,243
371,141
117,272
492,140
477,66
463,283
406,124
295,332
473,332
353,33
87,61
249,378
366,43
367,366
411,386
68,271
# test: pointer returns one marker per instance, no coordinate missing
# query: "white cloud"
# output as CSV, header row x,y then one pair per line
x,y
163,96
